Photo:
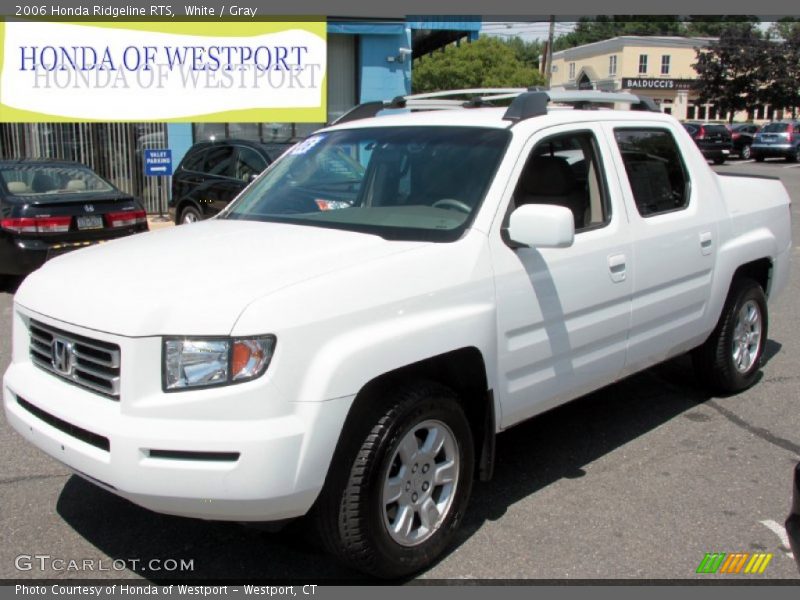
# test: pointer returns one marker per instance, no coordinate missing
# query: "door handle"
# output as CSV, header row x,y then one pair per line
x,y
617,266
706,243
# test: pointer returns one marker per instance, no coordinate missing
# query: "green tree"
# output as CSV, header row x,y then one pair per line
x,y
714,25
782,71
784,27
527,53
604,27
730,71
487,62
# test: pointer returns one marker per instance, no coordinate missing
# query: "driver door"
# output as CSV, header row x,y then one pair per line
x,y
563,313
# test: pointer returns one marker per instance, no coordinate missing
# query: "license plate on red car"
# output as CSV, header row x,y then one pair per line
x,y
90,222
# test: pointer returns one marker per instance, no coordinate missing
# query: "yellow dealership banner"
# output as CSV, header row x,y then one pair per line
x,y
204,71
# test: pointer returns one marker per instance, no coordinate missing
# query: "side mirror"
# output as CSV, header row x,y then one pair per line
x,y
542,226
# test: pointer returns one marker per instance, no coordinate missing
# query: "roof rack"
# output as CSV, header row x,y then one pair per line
x,y
527,103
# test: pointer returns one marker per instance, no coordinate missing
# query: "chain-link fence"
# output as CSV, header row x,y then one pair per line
x,y
114,150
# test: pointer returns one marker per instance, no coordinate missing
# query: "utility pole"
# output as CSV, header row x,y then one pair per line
x,y
548,59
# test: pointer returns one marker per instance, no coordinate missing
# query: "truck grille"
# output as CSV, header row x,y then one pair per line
x,y
91,364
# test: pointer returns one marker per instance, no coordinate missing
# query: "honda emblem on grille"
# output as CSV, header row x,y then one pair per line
x,y
88,207
61,351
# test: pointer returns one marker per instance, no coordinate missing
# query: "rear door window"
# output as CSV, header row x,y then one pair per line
x,y
656,172
219,161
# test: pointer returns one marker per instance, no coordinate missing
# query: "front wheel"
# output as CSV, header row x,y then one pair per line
x,y
394,507
745,153
729,361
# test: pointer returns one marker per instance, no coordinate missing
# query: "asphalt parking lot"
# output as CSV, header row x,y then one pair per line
x,y
638,480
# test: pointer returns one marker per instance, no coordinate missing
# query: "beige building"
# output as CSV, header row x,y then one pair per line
x,y
659,67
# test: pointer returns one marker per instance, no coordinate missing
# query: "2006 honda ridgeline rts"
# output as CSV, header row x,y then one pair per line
x,y
348,336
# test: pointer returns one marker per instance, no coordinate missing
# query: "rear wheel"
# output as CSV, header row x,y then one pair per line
x,y
718,160
190,215
729,361
393,507
795,156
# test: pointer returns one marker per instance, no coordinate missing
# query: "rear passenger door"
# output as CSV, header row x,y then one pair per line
x,y
674,241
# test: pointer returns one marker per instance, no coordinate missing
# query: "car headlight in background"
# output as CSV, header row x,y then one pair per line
x,y
194,363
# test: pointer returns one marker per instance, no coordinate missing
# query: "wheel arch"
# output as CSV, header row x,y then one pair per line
x,y
185,203
760,270
463,370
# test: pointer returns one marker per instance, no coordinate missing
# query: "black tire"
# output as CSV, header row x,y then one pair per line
x,y
718,160
350,515
795,157
759,158
189,215
745,152
714,361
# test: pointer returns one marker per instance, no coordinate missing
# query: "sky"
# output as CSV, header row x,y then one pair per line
x,y
528,31
536,30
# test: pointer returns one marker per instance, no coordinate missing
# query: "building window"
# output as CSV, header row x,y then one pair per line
x,y
690,112
612,64
664,64
572,70
642,64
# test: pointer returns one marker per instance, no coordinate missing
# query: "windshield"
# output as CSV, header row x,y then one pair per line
x,y
35,180
419,183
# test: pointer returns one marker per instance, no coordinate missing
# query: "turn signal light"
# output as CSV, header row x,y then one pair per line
x,y
37,224
127,218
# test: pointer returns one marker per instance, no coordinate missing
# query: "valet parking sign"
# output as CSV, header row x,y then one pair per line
x,y
201,71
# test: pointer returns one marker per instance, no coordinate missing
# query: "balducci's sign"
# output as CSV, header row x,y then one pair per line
x,y
643,83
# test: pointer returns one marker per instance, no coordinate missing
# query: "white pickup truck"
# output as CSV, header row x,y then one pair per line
x,y
346,339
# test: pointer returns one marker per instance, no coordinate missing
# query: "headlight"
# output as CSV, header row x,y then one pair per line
x,y
196,363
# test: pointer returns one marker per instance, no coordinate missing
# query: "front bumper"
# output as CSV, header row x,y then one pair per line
x,y
167,452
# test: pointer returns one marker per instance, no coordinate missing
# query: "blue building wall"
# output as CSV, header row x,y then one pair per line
x,y
384,72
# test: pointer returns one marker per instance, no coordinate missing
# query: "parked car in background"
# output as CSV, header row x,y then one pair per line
x,y
213,173
713,140
779,139
793,522
742,135
49,207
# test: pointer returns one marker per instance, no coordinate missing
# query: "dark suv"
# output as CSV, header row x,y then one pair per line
x,y
213,173
713,140
781,139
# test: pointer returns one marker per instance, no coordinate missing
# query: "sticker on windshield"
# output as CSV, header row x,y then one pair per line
x,y
307,145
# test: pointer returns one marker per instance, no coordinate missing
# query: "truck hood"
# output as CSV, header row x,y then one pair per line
x,y
193,279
